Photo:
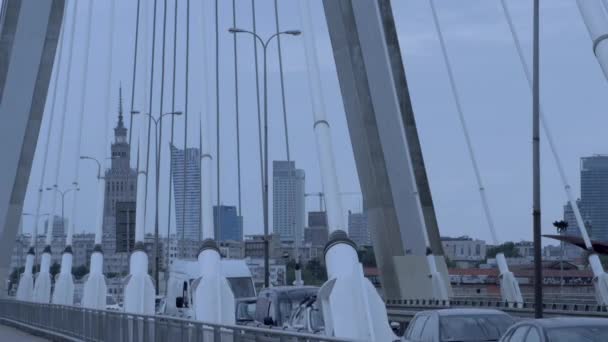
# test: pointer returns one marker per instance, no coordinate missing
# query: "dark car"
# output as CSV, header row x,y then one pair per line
x,y
462,325
561,329
275,305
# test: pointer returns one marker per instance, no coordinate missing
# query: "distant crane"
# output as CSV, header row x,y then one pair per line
x,y
322,196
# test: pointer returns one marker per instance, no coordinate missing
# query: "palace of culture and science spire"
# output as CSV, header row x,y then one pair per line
x,y
119,205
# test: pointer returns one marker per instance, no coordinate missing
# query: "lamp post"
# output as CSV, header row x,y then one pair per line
x,y
157,138
264,44
62,193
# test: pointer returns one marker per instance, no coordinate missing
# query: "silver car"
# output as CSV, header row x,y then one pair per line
x,y
462,325
562,329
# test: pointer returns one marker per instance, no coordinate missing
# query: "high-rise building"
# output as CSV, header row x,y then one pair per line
x,y
594,195
227,223
58,226
317,219
186,168
358,229
316,234
121,186
288,200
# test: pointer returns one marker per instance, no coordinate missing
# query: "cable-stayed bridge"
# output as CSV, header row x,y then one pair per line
x,y
38,35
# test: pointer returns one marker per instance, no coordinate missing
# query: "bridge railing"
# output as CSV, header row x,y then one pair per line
x,y
76,323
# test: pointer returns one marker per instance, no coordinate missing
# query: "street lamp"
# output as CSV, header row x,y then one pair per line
x,y
264,43
157,137
62,193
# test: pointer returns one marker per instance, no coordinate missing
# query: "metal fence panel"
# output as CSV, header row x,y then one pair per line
x,y
101,325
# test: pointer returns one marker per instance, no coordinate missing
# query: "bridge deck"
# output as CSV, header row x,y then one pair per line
x,y
14,335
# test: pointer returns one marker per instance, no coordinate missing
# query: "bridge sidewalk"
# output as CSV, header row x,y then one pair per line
x,y
14,335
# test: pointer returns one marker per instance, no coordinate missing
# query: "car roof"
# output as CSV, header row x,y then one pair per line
x,y
565,322
465,312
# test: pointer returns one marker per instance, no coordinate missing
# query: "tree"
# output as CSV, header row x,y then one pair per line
x,y
55,268
367,257
507,248
80,271
449,263
15,274
317,271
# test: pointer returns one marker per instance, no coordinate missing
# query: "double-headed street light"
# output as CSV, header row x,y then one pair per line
x,y
157,137
235,30
62,193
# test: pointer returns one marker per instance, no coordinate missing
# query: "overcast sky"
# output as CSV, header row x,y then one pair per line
x,y
495,97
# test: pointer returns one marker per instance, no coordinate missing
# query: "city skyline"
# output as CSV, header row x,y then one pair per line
x,y
502,138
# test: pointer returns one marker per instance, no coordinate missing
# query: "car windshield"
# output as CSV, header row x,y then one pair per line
x,y
245,311
289,301
579,334
473,327
242,287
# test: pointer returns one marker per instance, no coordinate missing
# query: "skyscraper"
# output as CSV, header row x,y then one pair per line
x,y
288,200
358,229
58,226
121,186
231,224
316,234
187,191
594,195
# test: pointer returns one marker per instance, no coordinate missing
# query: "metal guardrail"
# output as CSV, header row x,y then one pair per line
x,y
403,309
99,325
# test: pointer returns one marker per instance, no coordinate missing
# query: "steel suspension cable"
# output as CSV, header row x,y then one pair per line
x,y
208,110
257,90
218,123
150,99
463,124
236,98
134,75
291,175
172,133
55,176
133,83
45,154
64,102
547,130
105,114
63,106
159,146
80,115
185,173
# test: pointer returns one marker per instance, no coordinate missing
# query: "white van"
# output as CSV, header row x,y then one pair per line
x,y
183,277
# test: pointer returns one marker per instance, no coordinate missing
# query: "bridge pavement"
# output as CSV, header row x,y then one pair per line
x,y
11,334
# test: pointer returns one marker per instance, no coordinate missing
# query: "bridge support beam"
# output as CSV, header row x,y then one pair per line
x,y
28,40
385,144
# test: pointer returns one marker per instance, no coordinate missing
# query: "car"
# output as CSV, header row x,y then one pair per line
x,y
559,329
307,317
275,305
463,325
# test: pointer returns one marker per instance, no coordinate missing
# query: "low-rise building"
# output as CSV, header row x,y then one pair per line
x,y
278,272
464,251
